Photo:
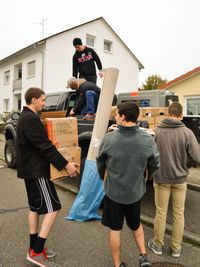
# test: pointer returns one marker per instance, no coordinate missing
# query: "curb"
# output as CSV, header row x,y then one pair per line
x,y
66,187
2,139
193,187
188,237
2,158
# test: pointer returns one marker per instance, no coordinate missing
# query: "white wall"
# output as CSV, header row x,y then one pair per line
x,y
6,91
59,53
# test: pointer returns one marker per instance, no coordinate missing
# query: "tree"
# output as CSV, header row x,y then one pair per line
x,y
153,82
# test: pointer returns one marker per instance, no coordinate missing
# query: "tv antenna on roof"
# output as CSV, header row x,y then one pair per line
x,y
42,23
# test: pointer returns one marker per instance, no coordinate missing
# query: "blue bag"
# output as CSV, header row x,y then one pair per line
x,y
91,193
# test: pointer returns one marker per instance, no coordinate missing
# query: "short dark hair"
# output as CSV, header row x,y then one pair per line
x,y
77,41
130,110
175,109
33,92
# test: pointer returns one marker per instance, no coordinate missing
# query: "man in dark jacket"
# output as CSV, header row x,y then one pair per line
x,y
177,146
125,154
84,62
87,97
34,155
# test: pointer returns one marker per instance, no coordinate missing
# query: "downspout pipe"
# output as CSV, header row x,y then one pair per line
x,y
42,70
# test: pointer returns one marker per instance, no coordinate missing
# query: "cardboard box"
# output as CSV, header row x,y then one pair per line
x,y
62,131
53,114
153,115
72,154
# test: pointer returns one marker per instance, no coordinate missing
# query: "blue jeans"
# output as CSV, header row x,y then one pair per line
x,y
92,99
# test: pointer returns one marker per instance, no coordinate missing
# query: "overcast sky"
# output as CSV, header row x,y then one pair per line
x,y
163,34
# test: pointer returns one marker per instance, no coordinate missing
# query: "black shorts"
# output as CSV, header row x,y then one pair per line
x,y
114,213
42,196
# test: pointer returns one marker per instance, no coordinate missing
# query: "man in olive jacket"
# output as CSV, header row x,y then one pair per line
x,y
34,155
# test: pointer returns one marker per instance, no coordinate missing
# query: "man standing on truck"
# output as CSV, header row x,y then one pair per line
x,y
178,147
84,62
125,153
87,97
34,155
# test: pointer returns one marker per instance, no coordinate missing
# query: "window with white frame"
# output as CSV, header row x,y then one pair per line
x,y
31,69
90,40
108,46
6,105
193,105
6,77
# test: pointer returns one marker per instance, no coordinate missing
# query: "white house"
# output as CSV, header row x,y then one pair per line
x,y
48,63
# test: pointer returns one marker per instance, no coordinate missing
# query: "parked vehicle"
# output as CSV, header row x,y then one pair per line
x,y
65,100
149,98
160,98
58,101
193,122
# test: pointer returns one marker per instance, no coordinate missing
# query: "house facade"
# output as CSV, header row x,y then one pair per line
x,y
48,63
187,87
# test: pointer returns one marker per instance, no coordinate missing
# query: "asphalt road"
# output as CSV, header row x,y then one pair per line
x,y
81,244
77,243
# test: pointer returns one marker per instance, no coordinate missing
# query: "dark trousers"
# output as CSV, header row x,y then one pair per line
x,y
92,79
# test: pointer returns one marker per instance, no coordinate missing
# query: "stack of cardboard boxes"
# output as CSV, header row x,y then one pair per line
x,y
154,115
63,134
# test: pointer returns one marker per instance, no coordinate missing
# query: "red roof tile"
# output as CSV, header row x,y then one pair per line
x,y
180,78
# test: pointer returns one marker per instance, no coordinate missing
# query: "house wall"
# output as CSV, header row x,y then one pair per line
x,y
7,90
53,58
187,88
59,53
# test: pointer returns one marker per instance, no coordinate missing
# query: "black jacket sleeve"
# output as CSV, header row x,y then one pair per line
x,y
97,59
75,66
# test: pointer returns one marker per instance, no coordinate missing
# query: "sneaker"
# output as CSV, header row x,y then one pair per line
x,y
155,248
40,259
176,253
122,264
143,261
89,117
49,253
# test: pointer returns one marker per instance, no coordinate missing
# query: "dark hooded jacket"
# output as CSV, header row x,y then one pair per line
x,y
81,101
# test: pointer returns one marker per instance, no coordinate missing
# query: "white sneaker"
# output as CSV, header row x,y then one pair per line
x,y
176,253
155,248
